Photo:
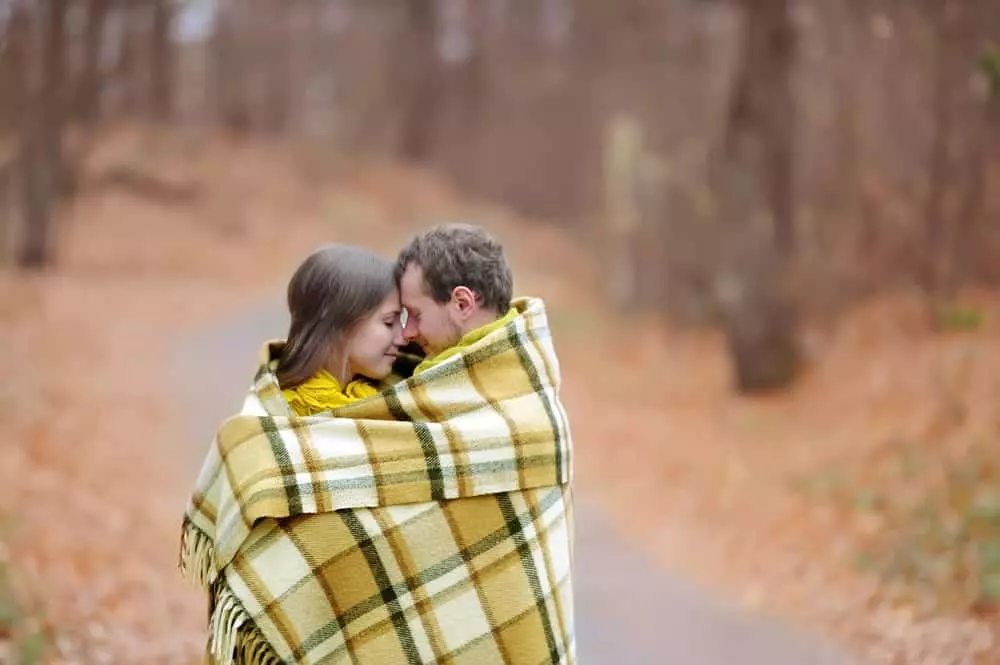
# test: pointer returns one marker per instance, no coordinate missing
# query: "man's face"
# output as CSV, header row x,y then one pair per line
x,y
432,325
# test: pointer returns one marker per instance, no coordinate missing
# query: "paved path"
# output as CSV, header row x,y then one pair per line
x,y
629,611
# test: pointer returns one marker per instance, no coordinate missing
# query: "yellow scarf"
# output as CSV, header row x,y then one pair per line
x,y
467,340
322,393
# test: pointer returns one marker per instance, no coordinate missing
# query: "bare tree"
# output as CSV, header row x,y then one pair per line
x,y
52,102
460,46
421,79
38,121
982,148
162,62
228,79
939,155
277,80
91,77
219,54
14,60
130,69
754,179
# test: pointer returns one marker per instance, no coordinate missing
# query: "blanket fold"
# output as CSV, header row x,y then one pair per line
x,y
430,523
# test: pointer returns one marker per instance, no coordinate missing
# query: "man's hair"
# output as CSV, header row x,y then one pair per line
x,y
453,255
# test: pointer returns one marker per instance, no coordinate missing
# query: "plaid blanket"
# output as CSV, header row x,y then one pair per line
x,y
429,524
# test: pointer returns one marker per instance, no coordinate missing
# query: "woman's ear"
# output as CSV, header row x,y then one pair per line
x,y
465,299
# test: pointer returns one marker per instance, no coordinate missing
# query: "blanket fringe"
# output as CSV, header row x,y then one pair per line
x,y
197,556
233,637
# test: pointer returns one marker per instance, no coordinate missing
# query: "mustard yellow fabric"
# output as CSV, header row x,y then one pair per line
x,y
467,340
322,393
430,524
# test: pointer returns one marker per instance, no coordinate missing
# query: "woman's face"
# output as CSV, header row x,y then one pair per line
x,y
373,346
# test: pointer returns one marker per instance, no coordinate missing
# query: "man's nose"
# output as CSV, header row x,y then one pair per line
x,y
410,330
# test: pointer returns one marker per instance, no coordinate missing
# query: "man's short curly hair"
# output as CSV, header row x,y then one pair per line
x,y
453,255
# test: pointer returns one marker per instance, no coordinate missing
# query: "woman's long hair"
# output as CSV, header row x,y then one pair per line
x,y
330,293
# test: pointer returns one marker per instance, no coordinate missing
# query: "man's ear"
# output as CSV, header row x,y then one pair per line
x,y
465,299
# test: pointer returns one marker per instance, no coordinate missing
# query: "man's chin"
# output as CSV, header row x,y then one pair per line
x,y
431,350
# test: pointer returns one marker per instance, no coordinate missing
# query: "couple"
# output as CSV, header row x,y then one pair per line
x,y
373,506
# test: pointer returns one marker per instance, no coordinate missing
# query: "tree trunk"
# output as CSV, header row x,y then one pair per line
x,y
847,29
965,241
761,121
623,155
781,128
162,62
130,71
938,165
227,80
422,80
35,151
967,259
14,60
754,178
88,97
278,79
463,88
52,103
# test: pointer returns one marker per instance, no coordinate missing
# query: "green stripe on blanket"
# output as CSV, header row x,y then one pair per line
x,y
429,524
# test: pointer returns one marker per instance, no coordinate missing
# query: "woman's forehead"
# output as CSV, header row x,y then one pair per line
x,y
391,304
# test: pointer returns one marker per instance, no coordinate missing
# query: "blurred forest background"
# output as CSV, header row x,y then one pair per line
x,y
791,205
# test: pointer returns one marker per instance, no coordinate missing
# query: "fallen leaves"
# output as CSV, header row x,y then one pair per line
x,y
890,416
790,502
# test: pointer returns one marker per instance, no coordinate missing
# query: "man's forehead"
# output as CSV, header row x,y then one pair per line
x,y
413,276
413,284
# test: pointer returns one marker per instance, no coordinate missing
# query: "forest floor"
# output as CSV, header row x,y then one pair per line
x,y
863,505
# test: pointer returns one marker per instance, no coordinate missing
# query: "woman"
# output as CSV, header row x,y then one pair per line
x,y
345,329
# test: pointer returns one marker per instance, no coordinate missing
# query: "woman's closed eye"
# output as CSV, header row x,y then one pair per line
x,y
393,319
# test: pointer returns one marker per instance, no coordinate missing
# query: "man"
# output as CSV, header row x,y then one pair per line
x,y
453,280
456,287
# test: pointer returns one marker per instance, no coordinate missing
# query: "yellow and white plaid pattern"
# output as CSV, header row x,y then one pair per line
x,y
429,524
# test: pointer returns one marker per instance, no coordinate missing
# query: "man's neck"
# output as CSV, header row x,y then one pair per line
x,y
480,318
473,324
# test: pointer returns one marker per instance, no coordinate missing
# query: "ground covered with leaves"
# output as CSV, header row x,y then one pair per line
x,y
863,505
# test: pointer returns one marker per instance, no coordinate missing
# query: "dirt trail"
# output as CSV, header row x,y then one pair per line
x,y
700,481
